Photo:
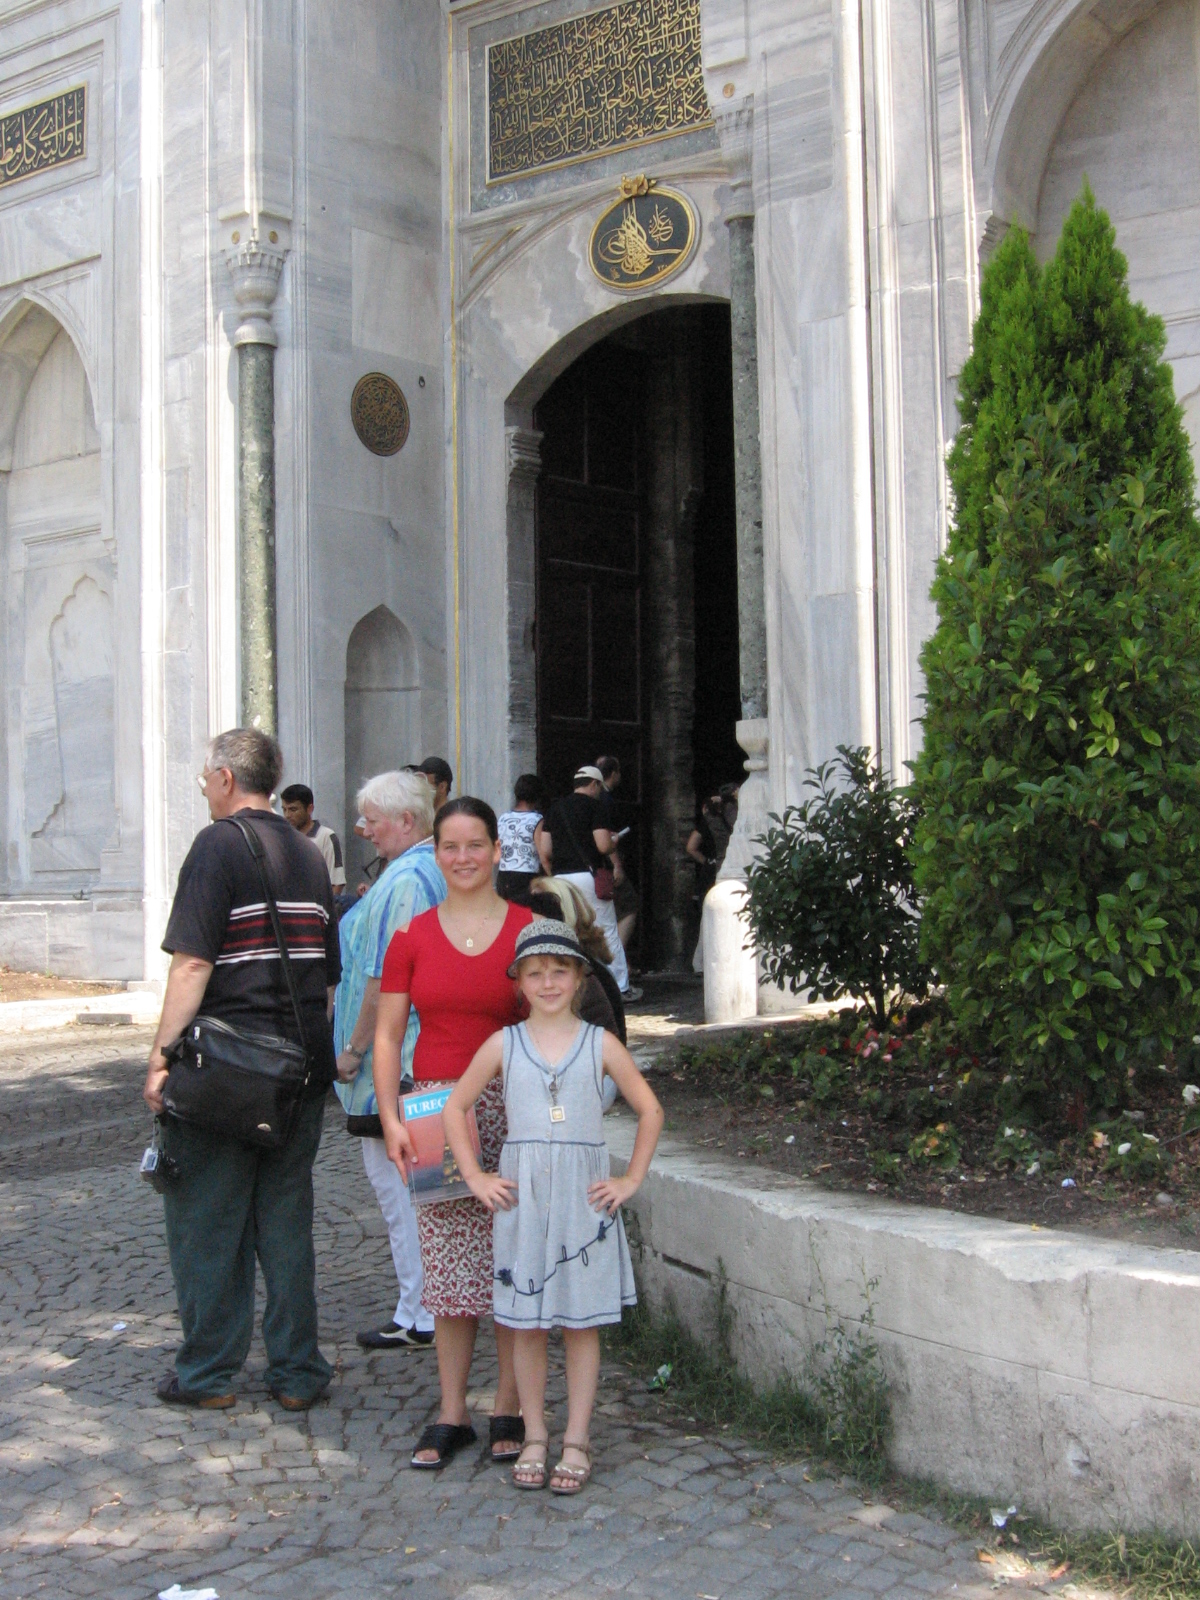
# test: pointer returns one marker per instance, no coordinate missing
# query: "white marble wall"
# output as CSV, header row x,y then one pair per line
x,y
882,160
362,293
1133,130
70,715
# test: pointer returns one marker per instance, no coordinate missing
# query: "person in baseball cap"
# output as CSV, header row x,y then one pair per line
x,y
585,775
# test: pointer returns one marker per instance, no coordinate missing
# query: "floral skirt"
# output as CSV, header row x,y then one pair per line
x,y
456,1236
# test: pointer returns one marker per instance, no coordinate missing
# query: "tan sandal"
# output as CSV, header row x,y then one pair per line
x,y
531,1473
570,1480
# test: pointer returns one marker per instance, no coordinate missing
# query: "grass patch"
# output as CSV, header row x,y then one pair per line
x,y
841,1420
841,1412
1148,1564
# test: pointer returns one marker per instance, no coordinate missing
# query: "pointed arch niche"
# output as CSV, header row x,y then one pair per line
x,y
58,797
383,713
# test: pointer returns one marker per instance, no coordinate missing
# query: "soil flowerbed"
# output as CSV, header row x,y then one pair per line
x,y
44,986
910,1114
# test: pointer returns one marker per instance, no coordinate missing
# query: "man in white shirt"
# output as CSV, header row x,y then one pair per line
x,y
297,804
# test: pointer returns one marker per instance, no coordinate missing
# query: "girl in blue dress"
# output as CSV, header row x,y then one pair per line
x,y
559,1247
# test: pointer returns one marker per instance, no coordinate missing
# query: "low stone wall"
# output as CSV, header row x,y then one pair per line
x,y
100,938
1052,1370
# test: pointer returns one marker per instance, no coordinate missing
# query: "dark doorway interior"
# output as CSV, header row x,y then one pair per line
x,y
636,631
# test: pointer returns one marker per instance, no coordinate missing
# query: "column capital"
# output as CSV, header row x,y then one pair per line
x,y
735,133
524,451
255,268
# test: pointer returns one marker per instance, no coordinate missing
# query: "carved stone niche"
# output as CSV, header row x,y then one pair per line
x,y
70,728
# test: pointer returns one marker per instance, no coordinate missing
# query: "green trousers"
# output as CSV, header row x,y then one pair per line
x,y
231,1205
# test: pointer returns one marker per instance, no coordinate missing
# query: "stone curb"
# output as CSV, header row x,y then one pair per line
x,y
135,1007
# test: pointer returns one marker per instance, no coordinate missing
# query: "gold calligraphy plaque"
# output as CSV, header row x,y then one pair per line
x,y
595,84
379,413
645,238
46,135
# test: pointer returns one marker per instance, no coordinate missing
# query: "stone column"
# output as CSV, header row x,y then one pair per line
x,y
524,465
255,269
730,960
672,420
747,466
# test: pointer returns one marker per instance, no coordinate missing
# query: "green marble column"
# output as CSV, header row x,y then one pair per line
x,y
256,535
255,267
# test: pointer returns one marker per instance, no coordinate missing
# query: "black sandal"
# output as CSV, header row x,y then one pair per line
x,y
447,1438
506,1430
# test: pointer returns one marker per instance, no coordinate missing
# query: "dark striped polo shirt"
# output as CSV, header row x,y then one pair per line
x,y
219,915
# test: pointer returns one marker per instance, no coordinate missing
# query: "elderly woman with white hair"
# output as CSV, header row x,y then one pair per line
x,y
397,813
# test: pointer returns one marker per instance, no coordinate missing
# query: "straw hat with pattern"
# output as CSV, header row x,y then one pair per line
x,y
545,937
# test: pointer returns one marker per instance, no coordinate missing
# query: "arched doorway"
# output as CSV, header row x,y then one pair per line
x,y
635,637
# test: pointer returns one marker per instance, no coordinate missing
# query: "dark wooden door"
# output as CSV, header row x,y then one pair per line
x,y
589,566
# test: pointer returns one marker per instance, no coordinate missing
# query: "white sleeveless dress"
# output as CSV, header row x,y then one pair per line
x,y
558,1263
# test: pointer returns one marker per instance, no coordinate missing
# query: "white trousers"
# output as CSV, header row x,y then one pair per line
x,y
396,1204
606,917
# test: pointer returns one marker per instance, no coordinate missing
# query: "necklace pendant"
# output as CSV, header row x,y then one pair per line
x,y
470,944
557,1114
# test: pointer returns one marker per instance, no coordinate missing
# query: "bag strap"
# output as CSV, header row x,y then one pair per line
x,y
254,845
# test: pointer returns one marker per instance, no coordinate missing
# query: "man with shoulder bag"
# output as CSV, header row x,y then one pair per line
x,y
239,1071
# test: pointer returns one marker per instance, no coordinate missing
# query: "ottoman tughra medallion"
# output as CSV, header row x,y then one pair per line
x,y
379,412
647,236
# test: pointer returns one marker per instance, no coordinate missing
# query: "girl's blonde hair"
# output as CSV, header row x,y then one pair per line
x,y
577,914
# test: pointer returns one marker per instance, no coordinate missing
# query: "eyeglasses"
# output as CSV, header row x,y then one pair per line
x,y
202,779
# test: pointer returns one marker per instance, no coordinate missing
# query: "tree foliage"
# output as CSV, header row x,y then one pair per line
x,y
1070,330
831,896
1058,850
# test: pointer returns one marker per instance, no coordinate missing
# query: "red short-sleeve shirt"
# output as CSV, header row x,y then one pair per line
x,y
461,1000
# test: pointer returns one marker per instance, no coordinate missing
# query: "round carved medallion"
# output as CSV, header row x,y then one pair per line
x,y
645,238
379,412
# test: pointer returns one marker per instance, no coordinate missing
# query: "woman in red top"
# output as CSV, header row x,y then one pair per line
x,y
452,963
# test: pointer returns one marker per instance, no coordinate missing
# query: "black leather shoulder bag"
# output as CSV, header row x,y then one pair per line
x,y
226,1080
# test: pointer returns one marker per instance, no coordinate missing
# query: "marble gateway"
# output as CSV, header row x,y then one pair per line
x,y
654,312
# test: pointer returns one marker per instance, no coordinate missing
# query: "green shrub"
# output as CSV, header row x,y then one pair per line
x,y
1130,1153
831,899
937,1148
1058,847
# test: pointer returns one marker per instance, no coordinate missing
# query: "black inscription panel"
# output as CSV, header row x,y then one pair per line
x,y
598,83
46,135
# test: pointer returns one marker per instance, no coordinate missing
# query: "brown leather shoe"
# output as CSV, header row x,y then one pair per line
x,y
168,1391
291,1402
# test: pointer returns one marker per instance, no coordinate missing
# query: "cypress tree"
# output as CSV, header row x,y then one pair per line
x,y
1058,849
999,384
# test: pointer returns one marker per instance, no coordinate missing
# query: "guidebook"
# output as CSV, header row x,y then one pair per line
x,y
433,1174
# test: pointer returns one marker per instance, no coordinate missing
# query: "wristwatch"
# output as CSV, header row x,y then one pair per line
x,y
357,1054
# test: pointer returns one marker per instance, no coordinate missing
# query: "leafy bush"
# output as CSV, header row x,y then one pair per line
x,y
831,900
937,1148
1058,848
1129,1152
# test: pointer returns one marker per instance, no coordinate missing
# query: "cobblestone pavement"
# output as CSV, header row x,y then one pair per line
x,y
108,1493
